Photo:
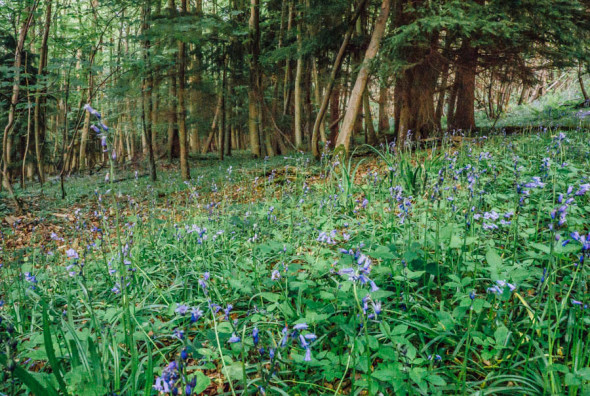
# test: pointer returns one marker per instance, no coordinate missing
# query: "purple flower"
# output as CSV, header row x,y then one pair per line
x,y
255,336
300,326
227,311
71,253
233,339
275,275
376,307
181,309
307,357
536,183
93,112
196,314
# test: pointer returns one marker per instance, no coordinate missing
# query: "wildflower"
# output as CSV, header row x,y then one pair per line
x,y
228,310
376,307
499,287
536,183
181,309
233,339
184,354
576,302
255,336
584,188
93,112
178,334
71,253
472,295
285,337
489,227
436,358
196,314
275,275
30,277
300,326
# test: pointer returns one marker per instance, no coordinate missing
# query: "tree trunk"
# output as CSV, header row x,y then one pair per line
x,y
581,81
182,132
7,138
369,127
147,104
328,96
360,85
253,91
298,82
383,117
415,98
464,117
213,125
40,97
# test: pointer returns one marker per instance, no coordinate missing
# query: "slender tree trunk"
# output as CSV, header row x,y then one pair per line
x,y
383,117
452,104
360,85
370,128
581,81
254,95
298,82
214,124
147,104
7,138
287,80
228,108
328,93
182,132
40,99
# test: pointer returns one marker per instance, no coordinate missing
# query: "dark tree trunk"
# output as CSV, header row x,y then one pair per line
x,y
464,117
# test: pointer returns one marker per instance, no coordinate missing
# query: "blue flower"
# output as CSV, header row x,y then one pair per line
x,y
93,112
300,326
71,253
196,314
181,309
233,339
255,336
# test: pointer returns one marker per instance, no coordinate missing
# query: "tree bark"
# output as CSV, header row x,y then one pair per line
x,y
581,81
298,82
182,132
328,97
360,85
253,91
147,104
464,117
7,138
40,97
369,127
384,125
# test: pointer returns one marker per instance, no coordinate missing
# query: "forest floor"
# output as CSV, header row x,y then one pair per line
x,y
454,269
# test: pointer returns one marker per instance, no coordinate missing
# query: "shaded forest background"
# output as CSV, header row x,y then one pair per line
x,y
178,78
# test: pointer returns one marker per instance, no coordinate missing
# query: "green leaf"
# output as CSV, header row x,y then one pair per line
x,y
53,362
495,263
436,380
203,383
